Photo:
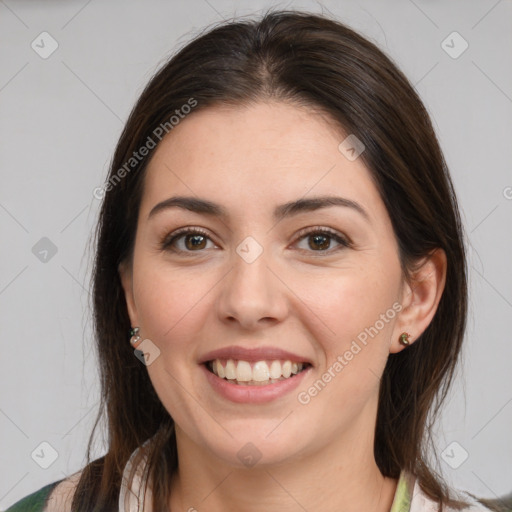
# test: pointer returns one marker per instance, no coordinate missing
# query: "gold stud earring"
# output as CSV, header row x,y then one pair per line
x,y
404,338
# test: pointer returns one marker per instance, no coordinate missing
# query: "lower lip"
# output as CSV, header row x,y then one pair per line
x,y
253,394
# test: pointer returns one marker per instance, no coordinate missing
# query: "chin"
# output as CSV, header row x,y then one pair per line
x,y
258,450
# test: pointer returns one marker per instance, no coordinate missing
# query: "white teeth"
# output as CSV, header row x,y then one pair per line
x,y
230,369
219,369
243,371
275,370
260,372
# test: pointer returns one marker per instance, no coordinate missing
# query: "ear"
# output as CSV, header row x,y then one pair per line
x,y
420,298
126,277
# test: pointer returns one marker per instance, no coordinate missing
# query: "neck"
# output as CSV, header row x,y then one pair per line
x,y
341,477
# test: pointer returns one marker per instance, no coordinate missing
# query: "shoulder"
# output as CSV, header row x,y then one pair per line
x,y
60,498
498,504
36,501
420,502
53,497
474,504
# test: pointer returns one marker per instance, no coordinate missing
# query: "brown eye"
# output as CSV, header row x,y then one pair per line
x,y
321,240
195,242
186,240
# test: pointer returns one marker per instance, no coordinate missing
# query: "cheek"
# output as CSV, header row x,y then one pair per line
x,y
351,301
171,303
358,307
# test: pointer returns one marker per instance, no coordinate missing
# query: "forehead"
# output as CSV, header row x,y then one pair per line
x,y
253,156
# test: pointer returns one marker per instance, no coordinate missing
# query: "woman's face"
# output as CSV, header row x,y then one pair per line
x,y
270,271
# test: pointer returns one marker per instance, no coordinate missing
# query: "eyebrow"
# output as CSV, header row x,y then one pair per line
x,y
202,206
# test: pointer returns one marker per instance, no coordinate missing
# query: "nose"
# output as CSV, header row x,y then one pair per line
x,y
252,295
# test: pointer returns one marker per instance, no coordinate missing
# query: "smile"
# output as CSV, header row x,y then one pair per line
x,y
259,373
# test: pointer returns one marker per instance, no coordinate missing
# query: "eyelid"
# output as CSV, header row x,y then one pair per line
x,y
343,240
322,229
169,238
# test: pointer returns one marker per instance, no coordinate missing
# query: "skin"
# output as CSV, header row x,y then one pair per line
x,y
308,300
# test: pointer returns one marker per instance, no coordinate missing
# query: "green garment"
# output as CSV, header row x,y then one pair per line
x,y
34,502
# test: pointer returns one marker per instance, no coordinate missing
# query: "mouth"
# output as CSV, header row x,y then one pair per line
x,y
258,373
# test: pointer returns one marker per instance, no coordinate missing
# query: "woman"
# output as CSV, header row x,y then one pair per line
x,y
281,243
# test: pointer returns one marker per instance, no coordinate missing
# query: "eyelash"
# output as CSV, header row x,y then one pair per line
x,y
168,240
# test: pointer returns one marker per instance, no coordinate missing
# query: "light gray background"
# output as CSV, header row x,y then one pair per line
x,y
61,118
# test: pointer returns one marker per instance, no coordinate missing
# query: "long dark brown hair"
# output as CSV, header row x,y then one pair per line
x,y
313,61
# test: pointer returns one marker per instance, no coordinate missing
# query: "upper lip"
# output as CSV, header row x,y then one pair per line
x,y
253,354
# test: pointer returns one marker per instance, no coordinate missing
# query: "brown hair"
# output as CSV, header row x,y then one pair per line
x,y
318,62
